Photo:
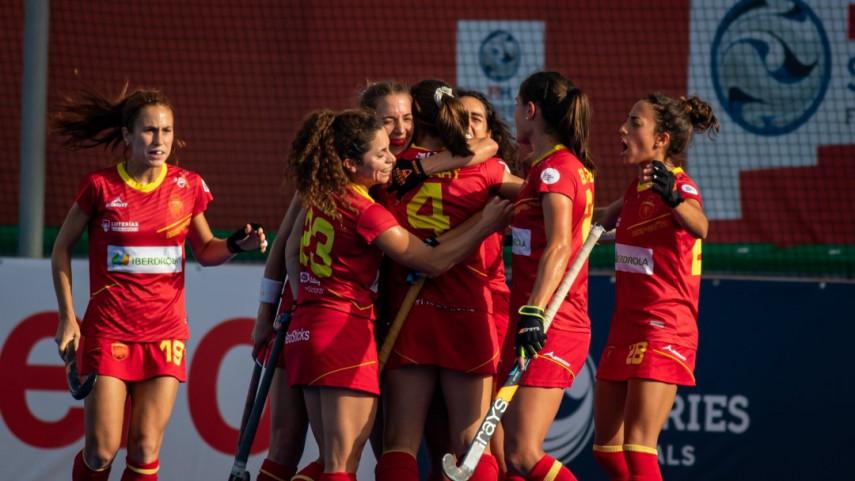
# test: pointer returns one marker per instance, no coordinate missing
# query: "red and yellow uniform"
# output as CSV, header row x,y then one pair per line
x,y
459,300
559,172
654,332
330,341
136,270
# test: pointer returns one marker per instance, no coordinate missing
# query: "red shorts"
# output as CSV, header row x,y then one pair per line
x,y
464,342
133,361
331,348
659,361
557,364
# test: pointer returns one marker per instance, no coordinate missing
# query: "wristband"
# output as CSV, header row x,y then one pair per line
x,y
532,311
271,291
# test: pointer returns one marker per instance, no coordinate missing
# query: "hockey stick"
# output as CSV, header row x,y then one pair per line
x,y
255,401
506,393
398,322
79,390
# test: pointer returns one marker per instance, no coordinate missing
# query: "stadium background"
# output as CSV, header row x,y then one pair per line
x,y
243,75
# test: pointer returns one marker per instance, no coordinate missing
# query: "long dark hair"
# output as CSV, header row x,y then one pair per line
x,y
565,109
437,112
499,130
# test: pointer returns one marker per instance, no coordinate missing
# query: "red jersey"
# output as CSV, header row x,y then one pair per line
x,y
136,251
442,202
558,171
338,265
657,269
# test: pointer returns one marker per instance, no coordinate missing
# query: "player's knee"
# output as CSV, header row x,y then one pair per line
x,y
143,449
100,457
521,456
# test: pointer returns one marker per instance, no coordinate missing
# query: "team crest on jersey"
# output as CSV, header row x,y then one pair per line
x,y
176,206
180,181
105,224
646,208
116,203
550,176
119,351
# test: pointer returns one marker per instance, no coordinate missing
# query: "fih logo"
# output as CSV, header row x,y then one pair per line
x,y
499,55
574,424
771,65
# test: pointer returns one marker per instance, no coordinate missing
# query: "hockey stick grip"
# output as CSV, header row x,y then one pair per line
x,y
398,322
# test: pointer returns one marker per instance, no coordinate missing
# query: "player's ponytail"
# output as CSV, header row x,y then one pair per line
x,y
679,118
438,113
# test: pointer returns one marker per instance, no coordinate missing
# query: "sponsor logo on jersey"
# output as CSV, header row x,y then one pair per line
x,y
673,351
656,324
689,189
123,226
521,241
571,432
144,259
633,259
181,182
550,176
554,357
116,203
298,335
771,65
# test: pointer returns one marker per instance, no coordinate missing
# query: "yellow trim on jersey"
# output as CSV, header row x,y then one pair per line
x,y
551,151
638,448
361,190
677,360
108,286
277,478
495,355
142,471
638,224
361,308
361,364
144,188
425,149
553,471
608,448
477,271
547,358
186,218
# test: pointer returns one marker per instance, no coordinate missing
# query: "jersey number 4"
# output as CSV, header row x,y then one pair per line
x,y
430,194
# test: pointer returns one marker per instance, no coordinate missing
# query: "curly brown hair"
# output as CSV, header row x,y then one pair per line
x,y
324,140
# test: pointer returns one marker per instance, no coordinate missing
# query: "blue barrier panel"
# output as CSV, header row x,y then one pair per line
x,y
774,398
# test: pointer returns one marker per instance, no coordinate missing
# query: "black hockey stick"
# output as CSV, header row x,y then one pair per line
x,y
79,390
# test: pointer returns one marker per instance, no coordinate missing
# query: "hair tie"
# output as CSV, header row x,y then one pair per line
x,y
439,92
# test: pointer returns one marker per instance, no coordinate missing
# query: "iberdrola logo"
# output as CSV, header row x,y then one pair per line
x,y
120,259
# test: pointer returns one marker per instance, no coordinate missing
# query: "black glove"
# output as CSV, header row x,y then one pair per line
x,y
239,235
530,334
663,184
406,175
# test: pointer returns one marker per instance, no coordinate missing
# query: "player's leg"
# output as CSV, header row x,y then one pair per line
x,y
437,436
648,404
609,402
151,407
409,390
527,422
348,416
468,397
288,426
104,411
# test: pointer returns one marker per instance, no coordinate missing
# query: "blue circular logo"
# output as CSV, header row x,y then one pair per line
x,y
499,55
771,64
574,424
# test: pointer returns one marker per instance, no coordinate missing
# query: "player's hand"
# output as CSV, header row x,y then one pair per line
x,y
262,331
497,213
531,336
406,175
664,183
248,238
67,333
